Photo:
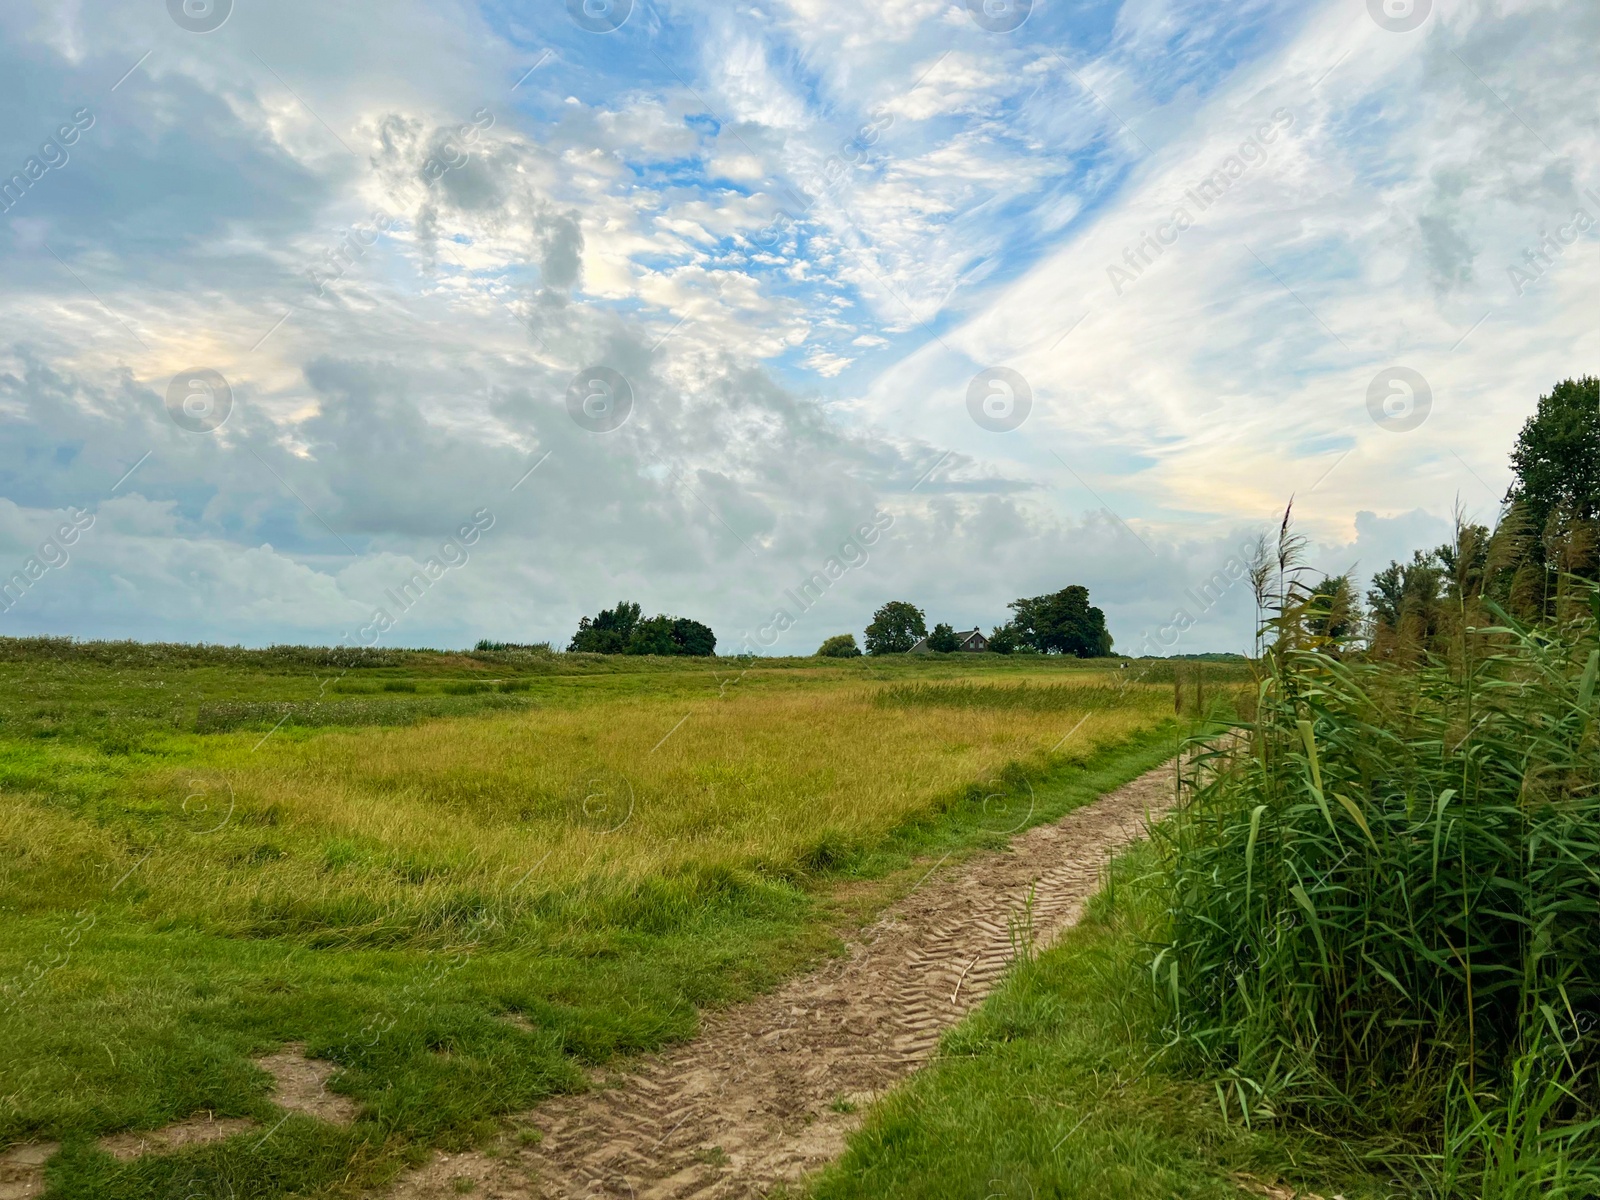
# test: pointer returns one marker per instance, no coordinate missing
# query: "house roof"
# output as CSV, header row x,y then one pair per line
x,y
962,639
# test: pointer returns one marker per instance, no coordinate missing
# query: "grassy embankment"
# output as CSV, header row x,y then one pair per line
x,y
430,843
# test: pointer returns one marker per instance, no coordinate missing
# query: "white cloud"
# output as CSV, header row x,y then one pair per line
x,y
610,215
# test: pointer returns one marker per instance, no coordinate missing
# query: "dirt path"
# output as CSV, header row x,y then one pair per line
x,y
767,1092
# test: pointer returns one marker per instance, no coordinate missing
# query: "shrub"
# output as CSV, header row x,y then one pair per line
x,y
842,645
181,655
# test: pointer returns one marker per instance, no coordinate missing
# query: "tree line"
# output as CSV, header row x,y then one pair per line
x,y
1548,532
1061,622
624,630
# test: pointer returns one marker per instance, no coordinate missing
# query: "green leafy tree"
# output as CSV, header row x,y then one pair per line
x,y
1333,611
1557,456
841,645
943,639
652,637
608,633
1062,622
1406,604
1555,497
1003,639
621,630
895,628
693,639
1465,561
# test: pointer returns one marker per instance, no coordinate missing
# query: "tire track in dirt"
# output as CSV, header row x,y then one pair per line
x,y
769,1089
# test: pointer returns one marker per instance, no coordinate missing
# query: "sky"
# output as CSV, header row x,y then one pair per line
x,y
411,323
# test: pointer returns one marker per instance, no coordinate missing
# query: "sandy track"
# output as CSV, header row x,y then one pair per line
x,y
766,1092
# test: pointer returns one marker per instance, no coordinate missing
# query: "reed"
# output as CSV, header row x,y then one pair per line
x,y
1384,891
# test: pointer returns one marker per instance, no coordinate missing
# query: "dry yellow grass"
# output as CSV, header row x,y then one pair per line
x,y
394,823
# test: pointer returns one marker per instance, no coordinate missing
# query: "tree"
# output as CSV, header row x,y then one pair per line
x,y
652,637
943,639
841,645
1003,639
1557,456
621,631
1333,610
693,639
1062,622
1405,603
1465,561
895,628
1555,497
609,632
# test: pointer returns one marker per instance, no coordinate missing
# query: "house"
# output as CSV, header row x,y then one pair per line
x,y
972,640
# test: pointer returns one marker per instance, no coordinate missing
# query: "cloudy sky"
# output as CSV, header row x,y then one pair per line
x,y
673,296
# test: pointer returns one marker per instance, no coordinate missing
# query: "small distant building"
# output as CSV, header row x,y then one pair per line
x,y
971,641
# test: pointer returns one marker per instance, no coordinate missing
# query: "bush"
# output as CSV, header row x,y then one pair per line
x,y
181,655
841,645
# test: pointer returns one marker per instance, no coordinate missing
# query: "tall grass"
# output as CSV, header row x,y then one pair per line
x,y
1050,697
404,828
1385,898
611,856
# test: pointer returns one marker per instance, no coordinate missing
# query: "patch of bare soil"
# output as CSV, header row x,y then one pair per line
x,y
22,1170
1273,1191
769,1090
196,1131
300,1084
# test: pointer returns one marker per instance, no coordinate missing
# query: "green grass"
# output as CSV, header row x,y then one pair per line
x,y
146,954
132,696
1058,1087
1021,697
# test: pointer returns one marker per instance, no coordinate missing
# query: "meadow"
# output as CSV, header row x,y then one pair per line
x,y
462,877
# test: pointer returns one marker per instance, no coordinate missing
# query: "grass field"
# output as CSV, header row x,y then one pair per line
x,y
207,853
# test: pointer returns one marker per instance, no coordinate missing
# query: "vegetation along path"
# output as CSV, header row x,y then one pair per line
x,y
769,1090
